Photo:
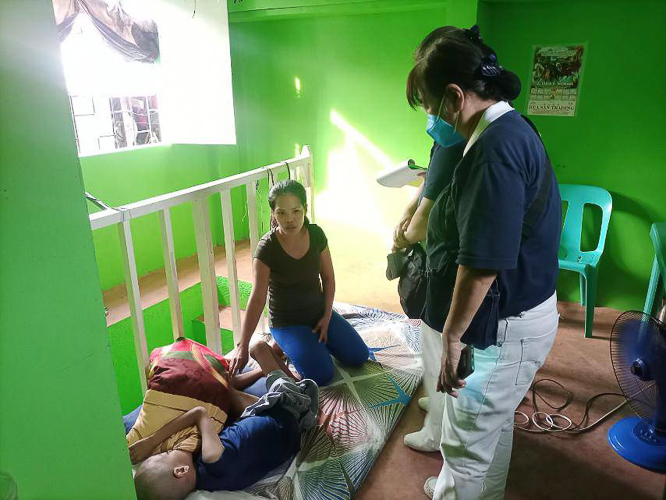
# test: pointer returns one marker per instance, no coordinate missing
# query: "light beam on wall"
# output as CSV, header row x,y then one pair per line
x,y
358,138
352,195
297,84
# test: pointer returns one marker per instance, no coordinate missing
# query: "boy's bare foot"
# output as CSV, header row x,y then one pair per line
x,y
278,350
281,354
269,360
295,375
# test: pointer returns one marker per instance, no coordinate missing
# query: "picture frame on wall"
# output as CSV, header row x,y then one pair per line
x,y
555,79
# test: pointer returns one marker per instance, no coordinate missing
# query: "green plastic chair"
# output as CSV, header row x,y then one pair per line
x,y
570,255
656,289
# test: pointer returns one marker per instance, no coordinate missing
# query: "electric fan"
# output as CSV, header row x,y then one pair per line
x,y
638,354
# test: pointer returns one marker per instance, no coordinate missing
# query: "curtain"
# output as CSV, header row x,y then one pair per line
x,y
136,39
65,13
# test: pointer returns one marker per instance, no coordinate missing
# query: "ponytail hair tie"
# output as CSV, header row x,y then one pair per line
x,y
489,67
474,34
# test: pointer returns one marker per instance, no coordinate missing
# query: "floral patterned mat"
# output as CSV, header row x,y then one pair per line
x,y
358,411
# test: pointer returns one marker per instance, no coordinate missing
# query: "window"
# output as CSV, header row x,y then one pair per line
x,y
113,86
104,123
129,87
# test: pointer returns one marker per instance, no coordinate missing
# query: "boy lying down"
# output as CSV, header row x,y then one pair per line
x,y
179,432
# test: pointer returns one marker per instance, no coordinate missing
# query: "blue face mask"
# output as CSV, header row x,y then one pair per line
x,y
443,133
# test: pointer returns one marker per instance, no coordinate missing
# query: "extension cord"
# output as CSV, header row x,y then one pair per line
x,y
549,418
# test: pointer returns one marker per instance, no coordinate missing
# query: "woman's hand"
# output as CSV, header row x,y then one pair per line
x,y
322,328
401,227
399,240
448,375
238,360
142,449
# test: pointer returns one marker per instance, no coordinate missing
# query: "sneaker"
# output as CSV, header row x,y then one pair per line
x,y
424,403
417,441
429,486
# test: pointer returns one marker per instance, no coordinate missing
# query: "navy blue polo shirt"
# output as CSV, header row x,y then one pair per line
x,y
491,191
443,162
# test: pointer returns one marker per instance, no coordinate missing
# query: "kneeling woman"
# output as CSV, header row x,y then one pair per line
x,y
288,263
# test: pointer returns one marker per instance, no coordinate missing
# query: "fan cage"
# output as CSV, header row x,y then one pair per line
x,y
642,395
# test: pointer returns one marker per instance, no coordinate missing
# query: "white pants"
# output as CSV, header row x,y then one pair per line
x,y
475,431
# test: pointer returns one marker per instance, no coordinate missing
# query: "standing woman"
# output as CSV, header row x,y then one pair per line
x,y
444,156
493,236
292,262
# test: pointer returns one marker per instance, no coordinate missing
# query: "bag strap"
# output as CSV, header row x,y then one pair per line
x,y
538,205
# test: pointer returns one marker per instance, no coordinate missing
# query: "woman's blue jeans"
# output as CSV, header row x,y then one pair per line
x,y
311,358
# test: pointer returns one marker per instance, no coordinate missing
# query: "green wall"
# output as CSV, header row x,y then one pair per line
x,y
616,141
253,5
352,61
252,10
61,435
127,176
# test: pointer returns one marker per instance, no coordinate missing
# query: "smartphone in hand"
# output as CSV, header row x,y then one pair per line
x,y
466,363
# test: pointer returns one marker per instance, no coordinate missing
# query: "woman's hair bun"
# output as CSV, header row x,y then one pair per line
x,y
507,83
453,55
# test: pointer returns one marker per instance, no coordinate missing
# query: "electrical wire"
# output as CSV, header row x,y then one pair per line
x,y
97,202
271,179
546,422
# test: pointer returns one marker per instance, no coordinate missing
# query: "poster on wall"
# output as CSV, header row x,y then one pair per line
x,y
555,85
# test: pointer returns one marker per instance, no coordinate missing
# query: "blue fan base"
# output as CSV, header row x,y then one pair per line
x,y
635,441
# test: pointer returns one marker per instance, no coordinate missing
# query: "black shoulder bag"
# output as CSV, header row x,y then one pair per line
x,y
410,266
413,282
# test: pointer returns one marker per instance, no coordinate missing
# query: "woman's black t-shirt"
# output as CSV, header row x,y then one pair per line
x,y
295,292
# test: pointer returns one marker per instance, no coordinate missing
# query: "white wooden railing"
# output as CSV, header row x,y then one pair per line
x,y
299,167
